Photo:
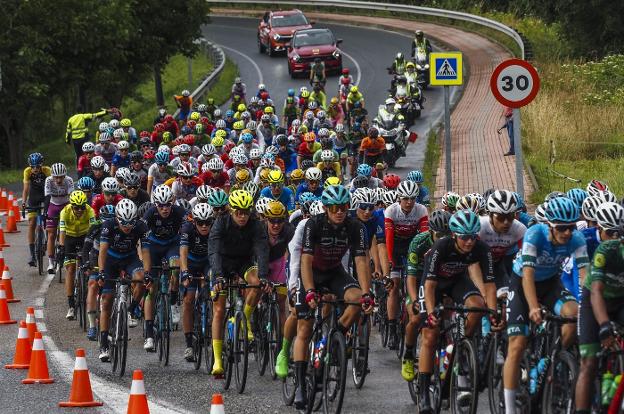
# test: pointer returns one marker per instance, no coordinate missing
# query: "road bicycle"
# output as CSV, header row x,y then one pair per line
x,y
41,236
612,361
162,317
268,332
202,325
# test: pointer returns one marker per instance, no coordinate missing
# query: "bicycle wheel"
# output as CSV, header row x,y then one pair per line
x,y
261,338
112,342
289,384
166,333
335,374
313,382
198,335
227,354
274,338
40,243
464,377
81,296
495,374
559,384
207,334
359,354
400,333
241,351
122,338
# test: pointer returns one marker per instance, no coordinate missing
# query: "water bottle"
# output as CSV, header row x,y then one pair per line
x,y
533,380
230,327
614,386
446,360
542,365
607,381
443,366
318,351
486,326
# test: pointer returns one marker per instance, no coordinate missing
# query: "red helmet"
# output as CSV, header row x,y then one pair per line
x,y
178,141
144,134
345,71
169,118
149,154
189,139
391,181
227,147
159,127
204,120
264,96
191,124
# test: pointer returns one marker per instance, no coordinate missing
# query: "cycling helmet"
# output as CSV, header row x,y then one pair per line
x,y
202,211
309,137
118,134
502,202
147,156
185,169
218,141
596,186
251,125
327,155
391,181
439,221
321,114
208,150
59,170
390,197
126,211
265,118
122,173
335,195
520,201
217,113
607,197
540,213
468,202
185,92
267,161
281,140
123,145
578,195
184,203
159,127
78,198
562,209
365,170
296,174
554,194
313,174
107,211
480,201
240,159
242,176
316,208
246,137
98,162
252,188
144,207
275,209
240,199
86,183
332,181
450,200
103,126
162,194
88,147
255,154
275,177
189,139
184,149
590,206
238,125
363,195
166,137
164,148
312,105
268,110
306,165
202,192
415,176
113,123
35,159
465,222
110,185
272,150
339,128
407,189
610,216
132,180
218,198
125,123
162,158
202,108
360,181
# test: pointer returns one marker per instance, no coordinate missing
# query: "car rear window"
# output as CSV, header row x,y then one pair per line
x,y
297,19
313,38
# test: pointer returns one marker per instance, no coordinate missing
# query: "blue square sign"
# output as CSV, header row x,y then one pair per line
x,y
446,68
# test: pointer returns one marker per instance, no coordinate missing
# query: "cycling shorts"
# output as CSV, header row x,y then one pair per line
x,y
277,273
399,256
550,294
588,328
168,252
196,269
113,267
73,245
337,281
458,288
232,268
54,211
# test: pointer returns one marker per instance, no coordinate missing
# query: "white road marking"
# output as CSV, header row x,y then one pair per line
x,y
254,64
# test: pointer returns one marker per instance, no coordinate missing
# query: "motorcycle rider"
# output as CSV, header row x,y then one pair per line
x,y
389,114
420,41
397,69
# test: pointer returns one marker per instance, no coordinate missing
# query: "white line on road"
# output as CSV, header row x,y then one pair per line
x,y
255,65
357,66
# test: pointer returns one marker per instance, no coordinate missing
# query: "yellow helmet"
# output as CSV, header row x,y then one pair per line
x,y
354,89
218,141
221,133
302,129
410,65
195,116
264,174
275,209
332,181
334,100
241,108
296,174
240,200
78,198
239,125
305,94
125,122
276,177
242,176
268,110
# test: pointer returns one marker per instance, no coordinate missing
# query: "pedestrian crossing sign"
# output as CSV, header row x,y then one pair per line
x,y
446,68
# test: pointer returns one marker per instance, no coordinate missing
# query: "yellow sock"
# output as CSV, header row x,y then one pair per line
x,y
248,310
217,347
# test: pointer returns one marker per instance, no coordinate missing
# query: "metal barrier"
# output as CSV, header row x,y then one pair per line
x,y
517,37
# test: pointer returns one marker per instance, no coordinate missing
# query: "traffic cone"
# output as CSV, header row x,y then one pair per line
x,y
3,200
11,224
21,359
3,243
16,211
138,400
38,372
1,257
31,324
217,407
81,394
9,203
5,316
8,285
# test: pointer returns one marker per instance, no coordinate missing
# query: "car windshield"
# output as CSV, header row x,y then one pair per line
x,y
297,19
313,38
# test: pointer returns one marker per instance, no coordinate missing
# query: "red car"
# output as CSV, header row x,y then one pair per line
x,y
309,44
277,28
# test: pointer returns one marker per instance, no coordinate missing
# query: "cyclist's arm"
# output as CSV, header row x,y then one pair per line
x,y
373,253
430,288
389,226
306,271
412,289
363,273
214,246
598,303
528,286
62,227
25,192
102,255
184,258
150,183
145,253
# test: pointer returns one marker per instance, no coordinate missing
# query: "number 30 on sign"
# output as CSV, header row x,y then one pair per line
x,y
515,83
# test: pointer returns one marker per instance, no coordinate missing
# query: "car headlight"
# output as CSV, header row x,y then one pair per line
x,y
296,57
276,37
336,54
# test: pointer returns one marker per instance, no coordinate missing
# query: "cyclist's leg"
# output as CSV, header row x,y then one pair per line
x,y
428,344
252,295
106,302
289,332
173,257
589,344
72,245
92,292
305,323
561,302
32,224
218,314
464,291
157,252
411,329
345,287
51,225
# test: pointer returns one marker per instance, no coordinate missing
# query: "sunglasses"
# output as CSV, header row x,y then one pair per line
x,y
186,178
79,208
184,154
277,185
562,228
133,187
505,217
467,237
110,193
204,223
335,208
241,212
165,205
127,223
276,220
366,206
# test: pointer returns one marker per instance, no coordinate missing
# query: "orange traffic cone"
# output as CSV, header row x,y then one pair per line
x,y
138,400
217,407
38,372
16,211
21,359
1,257
81,395
8,285
31,324
3,200
5,316
11,224
9,202
3,243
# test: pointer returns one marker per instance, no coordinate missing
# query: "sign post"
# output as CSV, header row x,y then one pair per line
x,y
515,83
446,70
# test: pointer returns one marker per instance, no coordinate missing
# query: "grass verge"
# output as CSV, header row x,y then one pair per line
x,y
432,161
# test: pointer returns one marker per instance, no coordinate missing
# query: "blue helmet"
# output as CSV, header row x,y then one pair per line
x,y
229,113
185,130
291,92
578,195
465,222
247,138
335,195
562,209
520,201
162,158
107,212
415,176
306,196
365,170
35,159
86,183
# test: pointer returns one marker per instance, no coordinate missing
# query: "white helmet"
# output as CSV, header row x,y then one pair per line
x,y
184,149
186,92
123,173
240,159
118,133
502,202
164,148
185,169
327,155
540,213
103,126
203,191
407,189
320,114
208,150
88,147
58,170
313,174
390,101
323,133
262,204
610,216
114,123
202,211
390,197
255,153
123,145
110,185
215,164
262,87
590,206
607,196
98,162
126,210
316,208
162,195
220,124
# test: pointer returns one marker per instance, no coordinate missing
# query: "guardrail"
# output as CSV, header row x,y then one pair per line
x,y
517,37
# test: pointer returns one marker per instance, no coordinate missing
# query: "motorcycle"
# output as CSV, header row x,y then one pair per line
x,y
393,132
407,104
421,60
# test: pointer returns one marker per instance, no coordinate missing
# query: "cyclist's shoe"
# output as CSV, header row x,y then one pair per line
x,y
104,355
392,339
51,267
407,370
71,314
132,321
250,335
217,368
31,262
281,365
424,403
464,398
175,314
300,397
92,334
188,354
148,345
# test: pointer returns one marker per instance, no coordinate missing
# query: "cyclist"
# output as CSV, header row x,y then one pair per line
x,y
307,148
109,195
329,165
194,262
57,188
239,88
186,183
86,184
317,74
601,301
214,176
132,190
277,191
536,282
355,100
163,240
119,240
365,175
99,171
121,157
84,162
159,172
372,147
74,222
326,239
137,160
105,148
237,247
403,220
459,266
33,196
423,192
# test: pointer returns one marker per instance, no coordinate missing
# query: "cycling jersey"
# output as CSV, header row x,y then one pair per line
x,y
525,218
540,253
331,170
372,147
306,152
303,188
36,192
220,180
120,244
401,227
608,268
120,161
157,176
328,242
419,245
279,245
141,197
98,182
501,244
99,201
59,194
373,228
164,231
106,151
84,165
570,274
444,261
423,196
317,157
76,226
185,191
197,244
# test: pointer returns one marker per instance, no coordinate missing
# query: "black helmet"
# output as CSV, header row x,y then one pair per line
x,y
373,132
281,140
136,156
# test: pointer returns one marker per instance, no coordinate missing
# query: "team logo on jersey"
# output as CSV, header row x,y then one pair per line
x,y
599,260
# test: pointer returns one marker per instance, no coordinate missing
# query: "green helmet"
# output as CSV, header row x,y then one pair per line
x,y
450,200
465,222
218,198
335,195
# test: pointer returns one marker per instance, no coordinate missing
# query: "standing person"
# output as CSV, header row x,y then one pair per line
x,y
184,103
508,114
77,130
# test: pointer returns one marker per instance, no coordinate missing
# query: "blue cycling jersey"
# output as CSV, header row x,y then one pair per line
x,y
373,228
119,161
423,196
286,197
570,275
525,218
540,253
303,188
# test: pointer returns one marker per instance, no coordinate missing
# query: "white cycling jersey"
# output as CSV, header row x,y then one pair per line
x,y
59,194
501,245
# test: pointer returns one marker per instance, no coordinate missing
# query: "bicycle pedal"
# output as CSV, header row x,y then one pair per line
x,y
219,376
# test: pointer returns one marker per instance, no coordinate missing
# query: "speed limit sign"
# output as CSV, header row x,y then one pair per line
x,y
515,83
